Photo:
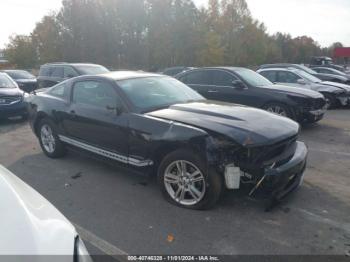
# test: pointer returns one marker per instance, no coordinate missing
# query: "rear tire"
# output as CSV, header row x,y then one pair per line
x,y
49,140
185,182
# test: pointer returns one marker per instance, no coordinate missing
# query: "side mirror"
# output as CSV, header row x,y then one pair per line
x,y
301,82
238,84
117,109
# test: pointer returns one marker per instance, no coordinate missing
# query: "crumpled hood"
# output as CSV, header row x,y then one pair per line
x,y
10,92
294,90
246,126
30,225
339,85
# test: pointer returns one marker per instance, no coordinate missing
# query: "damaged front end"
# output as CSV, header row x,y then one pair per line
x,y
272,171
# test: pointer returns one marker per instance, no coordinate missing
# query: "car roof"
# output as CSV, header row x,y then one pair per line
x,y
3,74
70,64
13,70
280,69
227,68
124,75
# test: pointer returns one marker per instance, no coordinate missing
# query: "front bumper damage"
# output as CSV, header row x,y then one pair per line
x,y
275,182
283,180
344,99
314,115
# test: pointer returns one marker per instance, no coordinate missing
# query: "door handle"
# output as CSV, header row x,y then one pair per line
x,y
213,91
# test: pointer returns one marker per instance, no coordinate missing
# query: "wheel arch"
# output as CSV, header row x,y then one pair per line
x,y
40,116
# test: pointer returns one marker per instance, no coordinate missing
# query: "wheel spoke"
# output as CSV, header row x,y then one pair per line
x,y
181,167
194,191
172,179
179,193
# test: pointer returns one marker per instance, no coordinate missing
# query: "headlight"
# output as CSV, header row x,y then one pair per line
x,y
80,252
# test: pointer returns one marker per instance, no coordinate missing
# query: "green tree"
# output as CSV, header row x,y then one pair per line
x,y
21,52
47,40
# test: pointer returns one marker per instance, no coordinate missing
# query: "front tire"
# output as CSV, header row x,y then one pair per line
x,y
185,182
279,109
49,141
331,101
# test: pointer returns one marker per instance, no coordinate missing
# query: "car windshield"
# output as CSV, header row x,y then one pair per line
x,y
307,69
20,74
91,69
253,78
335,71
309,77
149,93
6,82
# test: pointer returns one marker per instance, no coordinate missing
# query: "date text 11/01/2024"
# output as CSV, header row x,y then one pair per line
x,y
173,258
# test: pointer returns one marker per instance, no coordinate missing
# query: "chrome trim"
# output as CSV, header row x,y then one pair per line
x,y
106,153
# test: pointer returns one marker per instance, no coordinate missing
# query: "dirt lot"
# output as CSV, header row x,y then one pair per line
x,y
116,211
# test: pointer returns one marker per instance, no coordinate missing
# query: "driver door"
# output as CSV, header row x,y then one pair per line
x,y
224,89
93,117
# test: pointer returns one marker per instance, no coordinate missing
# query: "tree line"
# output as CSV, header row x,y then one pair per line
x,y
154,34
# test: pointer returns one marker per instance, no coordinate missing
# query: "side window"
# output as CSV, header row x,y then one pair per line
x,y
69,72
58,90
198,78
270,75
287,77
57,71
45,71
94,93
223,79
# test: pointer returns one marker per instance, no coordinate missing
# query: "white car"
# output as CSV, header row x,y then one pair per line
x,y
32,226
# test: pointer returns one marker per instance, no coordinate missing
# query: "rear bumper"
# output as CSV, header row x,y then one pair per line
x,y
18,109
283,180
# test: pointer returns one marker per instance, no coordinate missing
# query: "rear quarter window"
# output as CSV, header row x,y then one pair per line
x,y
58,90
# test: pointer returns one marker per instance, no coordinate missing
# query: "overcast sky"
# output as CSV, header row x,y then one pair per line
x,y
326,21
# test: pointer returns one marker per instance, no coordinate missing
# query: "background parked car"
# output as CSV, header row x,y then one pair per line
x,y
51,74
31,226
172,71
334,93
324,61
323,77
12,102
25,80
328,70
246,87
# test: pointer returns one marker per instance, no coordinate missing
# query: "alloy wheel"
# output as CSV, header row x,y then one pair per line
x,y
184,182
47,138
277,110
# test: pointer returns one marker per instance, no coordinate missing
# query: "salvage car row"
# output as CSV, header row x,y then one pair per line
x,y
194,132
163,126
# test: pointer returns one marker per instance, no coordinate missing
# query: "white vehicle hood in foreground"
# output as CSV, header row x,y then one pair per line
x,y
29,224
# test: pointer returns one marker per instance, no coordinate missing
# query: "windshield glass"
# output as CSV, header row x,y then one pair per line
x,y
156,92
19,74
307,69
91,69
309,77
6,82
253,78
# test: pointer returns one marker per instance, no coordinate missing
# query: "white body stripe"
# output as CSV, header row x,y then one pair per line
x,y
106,153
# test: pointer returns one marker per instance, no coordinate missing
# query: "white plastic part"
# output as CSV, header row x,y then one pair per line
x,y
232,177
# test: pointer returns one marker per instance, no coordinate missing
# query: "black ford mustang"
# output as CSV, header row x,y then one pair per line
x,y
155,123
